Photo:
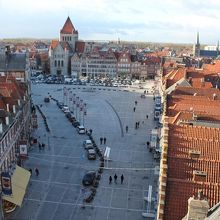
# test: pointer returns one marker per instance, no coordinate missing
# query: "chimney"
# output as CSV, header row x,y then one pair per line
x,y
24,98
202,82
7,120
214,96
14,109
19,102
1,128
7,106
197,209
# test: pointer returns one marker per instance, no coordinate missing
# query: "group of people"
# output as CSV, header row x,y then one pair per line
x,y
103,140
41,146
115,179
36,171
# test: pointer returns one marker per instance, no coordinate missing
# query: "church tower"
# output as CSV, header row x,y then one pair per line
x,y
196,48
69,34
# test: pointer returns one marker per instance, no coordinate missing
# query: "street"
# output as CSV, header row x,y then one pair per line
x,y
57,193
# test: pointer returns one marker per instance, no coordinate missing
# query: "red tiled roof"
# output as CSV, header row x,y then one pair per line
x,y
180,182
68,27
54,43
80,46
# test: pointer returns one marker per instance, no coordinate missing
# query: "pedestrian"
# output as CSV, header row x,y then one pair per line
x,y
136,102
39,145
126,128
122,179
30,170
110,179
115,178
43,146
90,131
146,116
101,139
37,172
104,139
134,109
136,125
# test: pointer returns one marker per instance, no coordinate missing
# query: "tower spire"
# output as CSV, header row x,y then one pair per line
x,y
197,39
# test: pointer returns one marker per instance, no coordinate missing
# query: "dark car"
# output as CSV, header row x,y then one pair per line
x,y
76,124
89,178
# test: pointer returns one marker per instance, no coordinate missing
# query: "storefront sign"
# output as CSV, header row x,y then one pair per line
x,y
6,183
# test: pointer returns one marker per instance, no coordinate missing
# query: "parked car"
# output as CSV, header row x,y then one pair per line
x,y
81,129
75,124
46,99
87,144
91,154
89,178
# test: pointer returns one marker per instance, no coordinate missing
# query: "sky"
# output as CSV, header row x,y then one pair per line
x,y
170,21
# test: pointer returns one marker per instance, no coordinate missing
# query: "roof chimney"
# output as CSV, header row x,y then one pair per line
x,y
19,102
7,120
1,128
214,96
24,98
14,109
202,81
7,106
197,209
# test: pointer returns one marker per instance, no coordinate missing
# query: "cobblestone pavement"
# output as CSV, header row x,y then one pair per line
x,y
57,193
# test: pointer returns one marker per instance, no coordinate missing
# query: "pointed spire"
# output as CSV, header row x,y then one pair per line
x,y
68,27
197,39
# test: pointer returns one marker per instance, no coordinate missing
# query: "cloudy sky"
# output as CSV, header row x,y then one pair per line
x,y
132,20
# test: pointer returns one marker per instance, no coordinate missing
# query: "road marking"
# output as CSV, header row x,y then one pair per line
x,y
85,205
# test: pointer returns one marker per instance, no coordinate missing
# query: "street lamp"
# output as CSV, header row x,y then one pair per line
x,y
74,101
77,106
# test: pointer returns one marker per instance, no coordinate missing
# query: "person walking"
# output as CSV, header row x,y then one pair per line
x,y
36,172
43,146
39,145
122,179
136,125
104,139
134,109
115,178
146,116
110,179
126,128
101,139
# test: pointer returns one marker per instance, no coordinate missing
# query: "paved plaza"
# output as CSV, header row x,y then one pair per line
x,y
57,193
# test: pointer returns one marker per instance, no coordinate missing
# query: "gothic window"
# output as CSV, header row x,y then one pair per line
x,y
55,63
58,63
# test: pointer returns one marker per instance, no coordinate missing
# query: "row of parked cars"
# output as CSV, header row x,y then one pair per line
x,y
87,144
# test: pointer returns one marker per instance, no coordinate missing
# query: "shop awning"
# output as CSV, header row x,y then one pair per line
x,y
19,180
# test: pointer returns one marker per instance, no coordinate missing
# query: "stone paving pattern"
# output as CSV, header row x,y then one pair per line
x,y
57,193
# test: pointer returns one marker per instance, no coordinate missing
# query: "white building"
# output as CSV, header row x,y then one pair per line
x,y
62,50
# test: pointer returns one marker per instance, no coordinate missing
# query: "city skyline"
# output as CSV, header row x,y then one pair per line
x,y
146,21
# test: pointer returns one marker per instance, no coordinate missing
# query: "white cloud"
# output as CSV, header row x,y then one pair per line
x,y
164,19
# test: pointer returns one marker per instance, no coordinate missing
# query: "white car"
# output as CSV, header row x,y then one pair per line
x,y
81,129
87,144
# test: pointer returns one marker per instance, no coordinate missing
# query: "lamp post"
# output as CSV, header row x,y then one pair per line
x,y
84,114
77,106
81,109
74,101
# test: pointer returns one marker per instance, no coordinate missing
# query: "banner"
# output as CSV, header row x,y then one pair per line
x,y
6,183
23,149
